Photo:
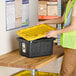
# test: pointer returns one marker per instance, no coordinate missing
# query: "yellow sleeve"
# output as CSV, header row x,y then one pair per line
x,y
74,10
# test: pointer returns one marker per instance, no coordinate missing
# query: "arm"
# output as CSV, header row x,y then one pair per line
x,y
69,28
54,21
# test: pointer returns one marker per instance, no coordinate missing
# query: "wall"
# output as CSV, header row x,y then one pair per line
x,y
6,38
33,12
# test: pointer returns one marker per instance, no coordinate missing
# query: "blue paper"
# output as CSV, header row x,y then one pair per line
x,y
9,0
25,1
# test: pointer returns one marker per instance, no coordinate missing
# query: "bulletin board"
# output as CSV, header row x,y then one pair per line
x,y
17,14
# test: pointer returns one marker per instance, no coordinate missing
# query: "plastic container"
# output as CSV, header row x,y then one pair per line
x,y
36,48
35,32
28,73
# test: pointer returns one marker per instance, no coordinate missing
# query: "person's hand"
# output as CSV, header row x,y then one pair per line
x,y
52,33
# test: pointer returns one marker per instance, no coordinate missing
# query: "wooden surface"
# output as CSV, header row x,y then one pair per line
x,y
14,59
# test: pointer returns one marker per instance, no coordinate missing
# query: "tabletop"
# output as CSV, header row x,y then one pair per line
x,y
14,59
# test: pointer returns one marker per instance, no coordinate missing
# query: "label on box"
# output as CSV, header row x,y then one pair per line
x,y
24,47
24,50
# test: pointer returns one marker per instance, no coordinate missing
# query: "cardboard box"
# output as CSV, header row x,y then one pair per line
x,y
42,8
52,8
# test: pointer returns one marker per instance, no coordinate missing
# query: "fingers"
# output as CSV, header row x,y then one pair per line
x,y
51,34
48,35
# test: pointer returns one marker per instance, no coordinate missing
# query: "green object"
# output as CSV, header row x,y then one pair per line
x,y
68,40
71,6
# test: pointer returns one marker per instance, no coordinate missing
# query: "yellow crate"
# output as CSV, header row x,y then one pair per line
x,y
28,73
35,32
23,73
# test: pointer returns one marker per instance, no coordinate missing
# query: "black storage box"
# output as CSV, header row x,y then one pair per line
x,y
36,48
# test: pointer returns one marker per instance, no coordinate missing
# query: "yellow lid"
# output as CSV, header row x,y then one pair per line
x,y
38,73
35,32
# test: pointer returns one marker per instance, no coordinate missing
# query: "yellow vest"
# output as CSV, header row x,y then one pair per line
x,y
68,40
